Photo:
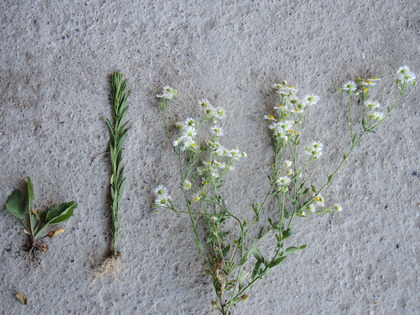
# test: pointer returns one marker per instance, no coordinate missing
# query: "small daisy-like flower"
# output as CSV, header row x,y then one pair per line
x,y
376,115
234,153
368,82
163,201
179,125
349,86
160,190
214,218
289,172
189,132
319,200
311,99
283,181
374,79
269,117
217,131
220,113
372,104
204,103
314,150
281,108
189,144
286,91
277,86
168,93
405,74
204,181
337,207
189,122
312,208
196,197
288,163
178,142
187,184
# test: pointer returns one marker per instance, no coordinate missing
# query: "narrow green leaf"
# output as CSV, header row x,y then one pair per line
x,y
330,178
30,194
287,233
257,270
16,204
200,247
277,261
313,188
291,250
60,213
257,254
225,250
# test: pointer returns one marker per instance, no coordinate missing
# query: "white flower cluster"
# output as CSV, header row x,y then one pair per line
x,y
289,100
372,112
211,111
314,150
187,139
405,75
163,199
168,93
320,202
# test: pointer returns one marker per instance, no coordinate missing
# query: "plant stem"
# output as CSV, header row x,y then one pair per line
x,y
119,134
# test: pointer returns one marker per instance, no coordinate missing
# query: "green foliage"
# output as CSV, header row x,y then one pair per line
x,y
205,163
38,220
118,135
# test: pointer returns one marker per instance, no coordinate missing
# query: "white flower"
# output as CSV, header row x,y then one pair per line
x,y
190,144
187,184
405,74
314,150
310,99
220,113
372,104
376,115
277,86
288,163
163,201
234,153
204,103
189,132
269,117
337,207
319,200
168,93
286,91
196,197
160,190
189,122
178,142
214,218
283,181
349,86
312,208
217,131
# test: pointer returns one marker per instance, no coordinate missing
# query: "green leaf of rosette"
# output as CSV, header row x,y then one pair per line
x,y
16,204
60,213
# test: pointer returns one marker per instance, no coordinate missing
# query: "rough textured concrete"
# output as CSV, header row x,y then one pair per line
x,y
55,65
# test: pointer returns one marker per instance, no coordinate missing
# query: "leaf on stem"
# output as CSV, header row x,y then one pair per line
x,y
16,204
257,254
60,213
276,261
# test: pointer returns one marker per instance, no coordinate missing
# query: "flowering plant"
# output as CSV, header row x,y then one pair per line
x,y
204,164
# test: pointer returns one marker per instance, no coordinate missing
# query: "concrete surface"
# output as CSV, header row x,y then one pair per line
x,y
56,61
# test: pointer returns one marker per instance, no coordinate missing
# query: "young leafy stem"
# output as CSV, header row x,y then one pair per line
x,y
38,220
118,135
203,166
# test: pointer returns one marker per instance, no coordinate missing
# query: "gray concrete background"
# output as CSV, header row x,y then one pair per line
x,y
56,61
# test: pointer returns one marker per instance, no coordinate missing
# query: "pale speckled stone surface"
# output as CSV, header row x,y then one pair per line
x,y
55,64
